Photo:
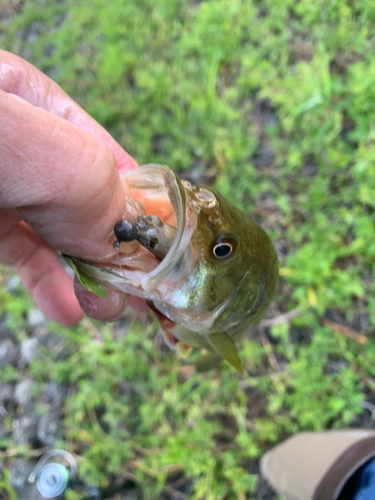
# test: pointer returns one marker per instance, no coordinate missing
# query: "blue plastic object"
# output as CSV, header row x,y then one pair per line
x,y
52,480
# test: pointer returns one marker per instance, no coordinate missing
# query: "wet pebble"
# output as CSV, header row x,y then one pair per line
x,y
49,340
7,402
25,430
5,332
3,435
49,49
31,32
6,391
36,318
8,353
53,394
48,429
265,156
23,392
13,283
28,350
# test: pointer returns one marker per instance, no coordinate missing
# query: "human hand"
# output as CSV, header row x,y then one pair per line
x,y
59,189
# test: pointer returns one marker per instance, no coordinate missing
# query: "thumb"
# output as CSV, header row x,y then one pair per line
x,y
61,179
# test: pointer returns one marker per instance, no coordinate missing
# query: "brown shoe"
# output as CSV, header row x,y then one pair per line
x,y
316,465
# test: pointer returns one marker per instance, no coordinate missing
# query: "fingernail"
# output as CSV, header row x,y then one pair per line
x,y
86,299
104,308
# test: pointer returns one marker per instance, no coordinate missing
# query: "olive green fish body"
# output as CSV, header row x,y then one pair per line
x,y
218,276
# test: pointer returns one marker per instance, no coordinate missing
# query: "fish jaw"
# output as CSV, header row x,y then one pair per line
x,y
183,340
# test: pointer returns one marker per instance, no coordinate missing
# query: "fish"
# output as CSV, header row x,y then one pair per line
x,y
206,269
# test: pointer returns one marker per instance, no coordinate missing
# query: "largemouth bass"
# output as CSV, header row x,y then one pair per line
x,y
205,268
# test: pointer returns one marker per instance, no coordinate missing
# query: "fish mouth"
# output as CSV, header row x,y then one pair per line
x,y
155,186
151,190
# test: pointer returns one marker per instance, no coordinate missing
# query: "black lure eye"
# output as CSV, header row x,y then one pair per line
x,y
153,242
223,248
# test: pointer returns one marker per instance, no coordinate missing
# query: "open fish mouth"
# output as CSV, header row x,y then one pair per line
x,y
153,191
158,191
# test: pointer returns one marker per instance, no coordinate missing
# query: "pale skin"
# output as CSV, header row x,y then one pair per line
x,y
59,190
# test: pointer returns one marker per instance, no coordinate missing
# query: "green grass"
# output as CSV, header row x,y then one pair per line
x,y
273,102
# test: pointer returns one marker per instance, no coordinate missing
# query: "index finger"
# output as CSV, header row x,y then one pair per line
x,y
20,78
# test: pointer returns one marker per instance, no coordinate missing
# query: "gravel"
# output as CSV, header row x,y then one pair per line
x,y
19,474
30,414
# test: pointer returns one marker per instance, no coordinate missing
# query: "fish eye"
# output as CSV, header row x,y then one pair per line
x,y
223,248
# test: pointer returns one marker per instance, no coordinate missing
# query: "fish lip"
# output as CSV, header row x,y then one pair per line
x,y
155,176
133,280
176,193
